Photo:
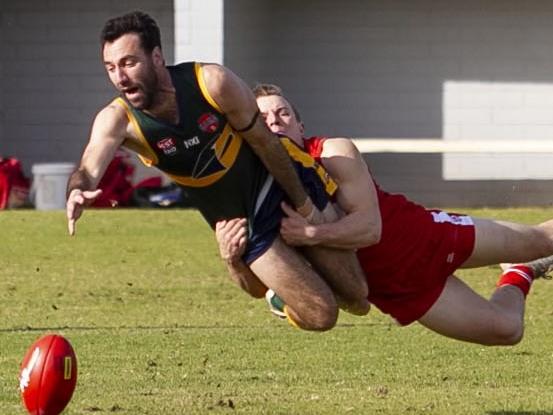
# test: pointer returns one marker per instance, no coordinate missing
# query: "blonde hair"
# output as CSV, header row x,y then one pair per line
x,y
265,90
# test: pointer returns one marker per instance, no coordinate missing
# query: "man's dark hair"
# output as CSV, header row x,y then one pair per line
x,y
134,22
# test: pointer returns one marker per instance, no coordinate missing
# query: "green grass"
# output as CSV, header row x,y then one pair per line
x,y
158,328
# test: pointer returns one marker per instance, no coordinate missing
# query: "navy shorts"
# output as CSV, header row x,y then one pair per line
x,y
265,226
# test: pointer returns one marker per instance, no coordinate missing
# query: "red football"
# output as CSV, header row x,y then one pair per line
x,y
48,375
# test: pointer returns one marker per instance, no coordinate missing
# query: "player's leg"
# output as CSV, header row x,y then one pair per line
x,y
499,241
462,314
310,303
339,268
342,271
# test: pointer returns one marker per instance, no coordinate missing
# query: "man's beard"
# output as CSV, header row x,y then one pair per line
x,y
148,87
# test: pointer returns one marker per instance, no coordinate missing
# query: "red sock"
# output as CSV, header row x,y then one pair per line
x,y
520,276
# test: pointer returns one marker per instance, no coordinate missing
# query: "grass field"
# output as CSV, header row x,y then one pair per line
x,y
158,328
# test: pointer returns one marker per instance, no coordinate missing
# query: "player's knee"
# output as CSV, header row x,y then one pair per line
x,y
357,291
325,322
361,293
509,332
358,308
326,319
320,316
542,243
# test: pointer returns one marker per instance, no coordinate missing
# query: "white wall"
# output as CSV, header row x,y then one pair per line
x,y
199,30
511,112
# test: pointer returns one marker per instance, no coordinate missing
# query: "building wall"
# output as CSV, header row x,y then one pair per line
x,y
454,70
379,68
53,81
199,30
2,98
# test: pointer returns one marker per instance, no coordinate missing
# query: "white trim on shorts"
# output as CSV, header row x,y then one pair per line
x,y
263,193
443,217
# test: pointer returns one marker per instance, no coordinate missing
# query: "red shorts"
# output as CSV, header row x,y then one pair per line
x,y
407,271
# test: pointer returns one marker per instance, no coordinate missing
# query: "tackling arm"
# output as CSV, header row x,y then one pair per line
x,y
237,102
232,237
356,196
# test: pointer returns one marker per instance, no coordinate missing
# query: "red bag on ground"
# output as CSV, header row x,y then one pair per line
x,y
14,186
116,185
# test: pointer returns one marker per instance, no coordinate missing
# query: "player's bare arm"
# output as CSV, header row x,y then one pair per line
x,y
238,103
232,238
361,225
109,130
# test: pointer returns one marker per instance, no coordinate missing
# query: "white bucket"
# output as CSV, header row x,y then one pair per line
x,y
50,184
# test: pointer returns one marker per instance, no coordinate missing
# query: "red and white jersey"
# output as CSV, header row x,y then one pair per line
x,y
419,248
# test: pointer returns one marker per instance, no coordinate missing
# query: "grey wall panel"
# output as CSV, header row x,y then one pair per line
x,y
418,176
360,69
378,69
53,81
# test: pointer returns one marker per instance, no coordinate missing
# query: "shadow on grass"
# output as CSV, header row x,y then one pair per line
x,y
519,412
172,327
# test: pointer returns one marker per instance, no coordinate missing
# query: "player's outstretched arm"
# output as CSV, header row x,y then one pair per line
x,y
238,103
361,224
108,133
232,238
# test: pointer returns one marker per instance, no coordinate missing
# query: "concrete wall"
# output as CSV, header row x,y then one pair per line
x,y
413,69
380,68
53,81
199,30
3,46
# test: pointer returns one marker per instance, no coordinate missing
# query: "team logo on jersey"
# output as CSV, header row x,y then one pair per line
x,y
208,122
443,217
213,160
167,145
190,142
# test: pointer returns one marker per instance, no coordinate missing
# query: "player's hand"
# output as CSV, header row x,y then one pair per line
x,y
232,237
310,212
76,202
296,229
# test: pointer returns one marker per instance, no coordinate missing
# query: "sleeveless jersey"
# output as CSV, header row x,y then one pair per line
x,y
220,173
